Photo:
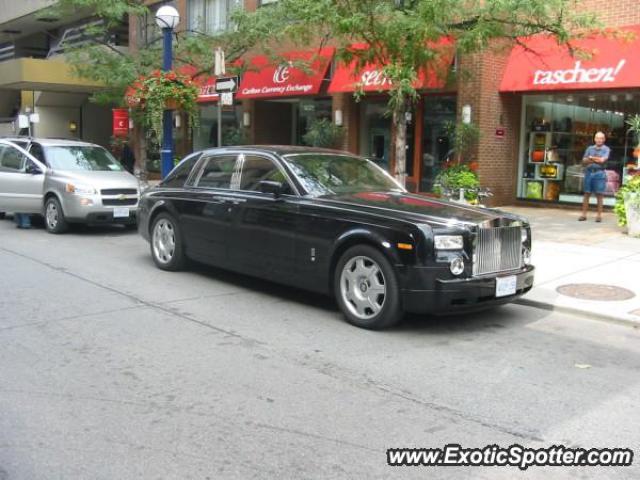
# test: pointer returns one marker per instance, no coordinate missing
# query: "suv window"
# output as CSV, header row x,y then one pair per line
x,y
36,150
255,169
11,159
219,172
179,175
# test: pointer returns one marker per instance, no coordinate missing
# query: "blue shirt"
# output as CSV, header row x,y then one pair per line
x,y
595,151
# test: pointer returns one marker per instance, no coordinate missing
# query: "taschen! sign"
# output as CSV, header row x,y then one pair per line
x,y
542,65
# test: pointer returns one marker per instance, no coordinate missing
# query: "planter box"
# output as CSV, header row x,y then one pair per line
x,y
632,207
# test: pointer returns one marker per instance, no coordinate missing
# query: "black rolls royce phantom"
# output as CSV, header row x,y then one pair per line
x,y
338,224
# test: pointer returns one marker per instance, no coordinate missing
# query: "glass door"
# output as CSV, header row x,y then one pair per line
x,y
436,146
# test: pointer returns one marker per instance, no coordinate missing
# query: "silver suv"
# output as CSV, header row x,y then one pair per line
x,y
66,181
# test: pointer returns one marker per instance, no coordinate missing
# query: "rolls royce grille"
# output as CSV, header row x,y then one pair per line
x,y
497,250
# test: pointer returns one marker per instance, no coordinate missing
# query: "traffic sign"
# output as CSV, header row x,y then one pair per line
x,y
226,98
227,84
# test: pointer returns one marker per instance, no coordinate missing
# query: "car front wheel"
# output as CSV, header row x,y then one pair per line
x,y
54,220
166,243
366,288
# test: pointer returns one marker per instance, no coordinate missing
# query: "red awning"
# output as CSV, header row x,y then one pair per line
x,y
544,65
347,78
266,80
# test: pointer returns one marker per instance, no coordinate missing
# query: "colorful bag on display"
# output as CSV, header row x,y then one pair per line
x,y
613,182
534,190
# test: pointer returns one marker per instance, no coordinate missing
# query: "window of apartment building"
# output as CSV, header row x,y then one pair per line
x,y
148,30
211,16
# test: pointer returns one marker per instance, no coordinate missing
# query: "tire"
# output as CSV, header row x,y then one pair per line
x,y
366,288
54,220
166,243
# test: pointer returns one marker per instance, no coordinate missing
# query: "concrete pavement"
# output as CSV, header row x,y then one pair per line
x,y
571,253
110,368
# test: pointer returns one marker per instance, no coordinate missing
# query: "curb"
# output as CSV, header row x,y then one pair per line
x,y
576,311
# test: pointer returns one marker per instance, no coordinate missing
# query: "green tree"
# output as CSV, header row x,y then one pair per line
x,y
116,69
404,35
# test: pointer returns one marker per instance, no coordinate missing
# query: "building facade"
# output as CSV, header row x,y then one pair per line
x,y
35,80
533,129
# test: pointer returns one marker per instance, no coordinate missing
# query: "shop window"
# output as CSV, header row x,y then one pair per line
x,y
556,131
211,16
206,135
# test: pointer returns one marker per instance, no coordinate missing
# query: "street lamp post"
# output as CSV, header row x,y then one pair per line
x,y
167,18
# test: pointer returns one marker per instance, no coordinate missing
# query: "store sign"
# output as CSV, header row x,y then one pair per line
x,y
540,64
371,78
120,122
577,74
265,80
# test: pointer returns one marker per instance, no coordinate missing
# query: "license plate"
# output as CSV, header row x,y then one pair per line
x,y
120,212
506,286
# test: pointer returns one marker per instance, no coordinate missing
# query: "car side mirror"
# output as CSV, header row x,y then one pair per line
x,y
32,169
270,186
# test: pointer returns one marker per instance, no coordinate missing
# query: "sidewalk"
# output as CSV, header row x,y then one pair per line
x,y
569,254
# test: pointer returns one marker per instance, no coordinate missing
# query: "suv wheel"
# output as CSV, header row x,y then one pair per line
x,y
366,288
54,220
166,243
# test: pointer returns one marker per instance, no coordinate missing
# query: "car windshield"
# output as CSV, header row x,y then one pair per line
x,y
327,174
81,158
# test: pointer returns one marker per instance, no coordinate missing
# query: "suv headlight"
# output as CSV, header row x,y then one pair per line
x,y
448,242
80,189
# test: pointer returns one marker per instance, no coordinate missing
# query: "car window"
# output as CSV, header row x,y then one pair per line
x,y
179,175
255,169
81,157
219,172
36,150
11,159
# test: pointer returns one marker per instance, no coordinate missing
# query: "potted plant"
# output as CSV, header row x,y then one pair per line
x,y
323,133
456,177
151,95
627,206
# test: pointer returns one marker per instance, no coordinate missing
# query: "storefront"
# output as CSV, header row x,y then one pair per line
x,y
206,133
284,99
427,142
565,101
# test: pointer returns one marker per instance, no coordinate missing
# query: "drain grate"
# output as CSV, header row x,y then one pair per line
x,y
594,291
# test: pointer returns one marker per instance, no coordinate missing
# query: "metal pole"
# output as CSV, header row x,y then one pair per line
x,y
219,121
166,153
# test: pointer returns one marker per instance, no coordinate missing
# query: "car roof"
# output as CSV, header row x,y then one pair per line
x,y
63,142
275,149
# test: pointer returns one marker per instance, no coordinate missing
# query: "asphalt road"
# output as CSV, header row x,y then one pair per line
x,y
113,369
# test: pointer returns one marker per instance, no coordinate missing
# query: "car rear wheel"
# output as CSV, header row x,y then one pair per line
x,y
166,244
54,220
366,288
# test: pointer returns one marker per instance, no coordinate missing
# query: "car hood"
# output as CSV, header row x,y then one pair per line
x,y
418,208
98,180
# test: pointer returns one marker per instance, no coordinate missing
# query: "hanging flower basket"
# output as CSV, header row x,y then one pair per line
x,y
151,95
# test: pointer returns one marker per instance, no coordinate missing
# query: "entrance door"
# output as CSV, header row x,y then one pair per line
x,y
375,132
439,111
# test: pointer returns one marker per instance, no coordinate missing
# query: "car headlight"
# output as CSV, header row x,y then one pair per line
x,y
524,234
79,189
457,266
526,256
448,242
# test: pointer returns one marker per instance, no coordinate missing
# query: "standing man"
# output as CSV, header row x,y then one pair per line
x,y
595,178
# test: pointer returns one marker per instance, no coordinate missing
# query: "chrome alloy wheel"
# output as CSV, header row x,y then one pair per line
x,y
52,215
164,241
363,287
